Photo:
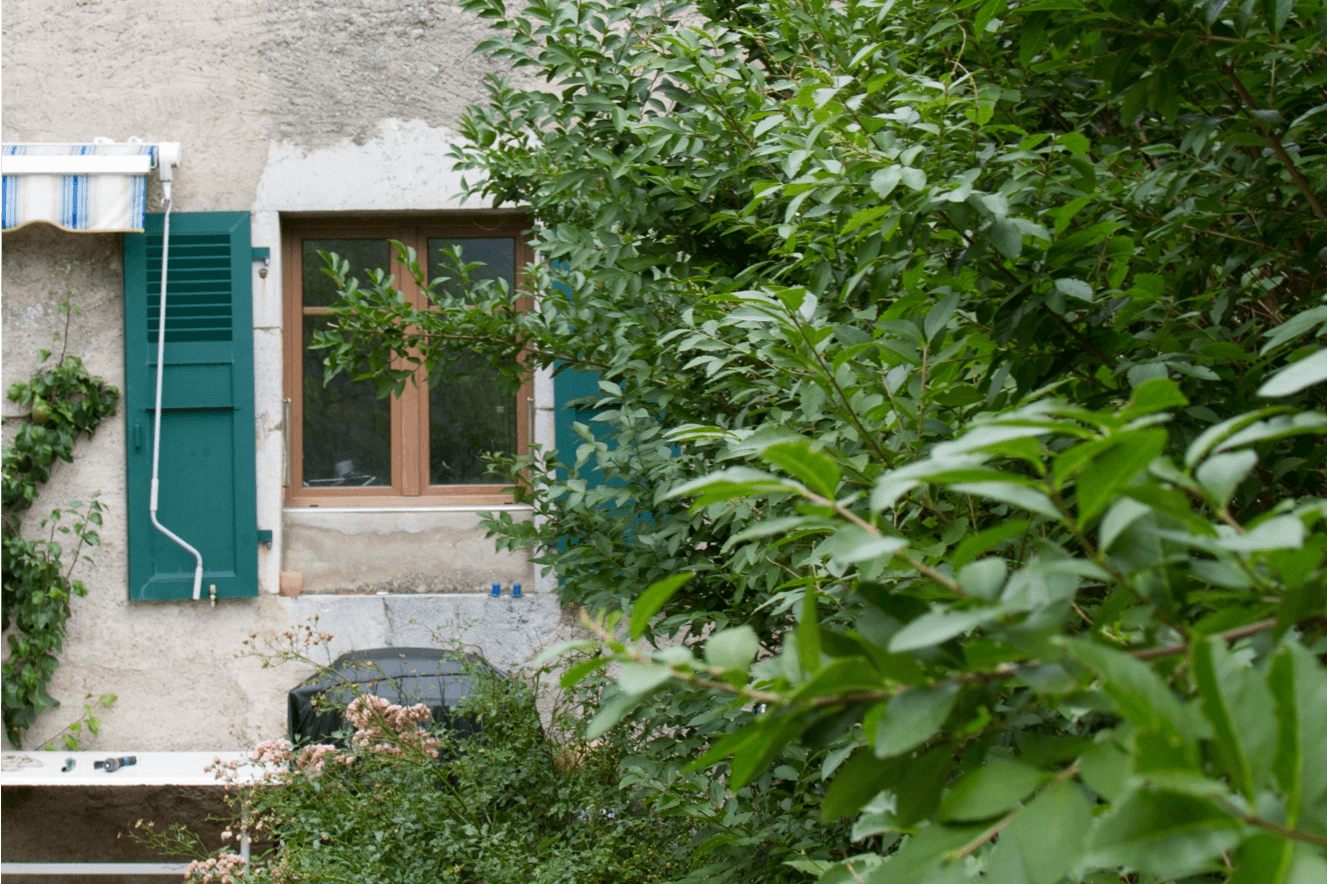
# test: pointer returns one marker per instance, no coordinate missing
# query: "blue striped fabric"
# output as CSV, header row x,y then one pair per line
x,y
76,202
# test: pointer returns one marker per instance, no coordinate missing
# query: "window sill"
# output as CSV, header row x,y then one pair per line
x,y
393,505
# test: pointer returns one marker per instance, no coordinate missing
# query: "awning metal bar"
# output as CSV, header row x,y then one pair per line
x,y
90,164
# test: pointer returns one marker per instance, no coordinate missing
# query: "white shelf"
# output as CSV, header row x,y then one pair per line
x,y
151,769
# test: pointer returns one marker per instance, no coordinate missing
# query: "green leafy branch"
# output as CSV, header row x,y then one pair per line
x,y
64,402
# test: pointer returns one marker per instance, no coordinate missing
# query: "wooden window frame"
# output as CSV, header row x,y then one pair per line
x,y
409,411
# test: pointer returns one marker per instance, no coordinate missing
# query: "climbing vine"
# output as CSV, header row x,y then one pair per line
x,y
63,402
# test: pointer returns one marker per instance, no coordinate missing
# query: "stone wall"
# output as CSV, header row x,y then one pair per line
x,y
292,106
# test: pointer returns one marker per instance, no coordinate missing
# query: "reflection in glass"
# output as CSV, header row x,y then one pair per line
x,y
497,254
347,428
363,255
467,419
470,418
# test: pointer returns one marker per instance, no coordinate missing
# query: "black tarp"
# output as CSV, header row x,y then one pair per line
x,y
438,679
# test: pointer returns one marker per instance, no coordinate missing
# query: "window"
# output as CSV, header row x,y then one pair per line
x,y
348,447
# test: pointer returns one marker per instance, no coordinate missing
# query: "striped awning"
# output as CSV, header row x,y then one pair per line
x,y
79,187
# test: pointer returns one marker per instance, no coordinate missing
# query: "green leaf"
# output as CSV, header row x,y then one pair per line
x,y
1171,502
1074,288
1122,457
938,316
782,525
885,180
638,679
1296,376
729,745
914,179
863,217
984,578
609,714
1277,13
1007,237
652,600
815,469
808,632
938,626
1293,327
1122,513
1208,438
989,10
1239,706
857,781
843,676
1298,684
1279,427
731,484
754,756
1106,769
1046,841
1162,834
973,546
1152,396
911,718
1074,142
918,792
1142,696
573,676
1270,859
1280,532
1221,474
852,543
850,871
1016,495
989,790
733,648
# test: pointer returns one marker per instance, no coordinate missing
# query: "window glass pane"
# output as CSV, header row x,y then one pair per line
x,y
347,429
363,255
468,419
465,421
497,254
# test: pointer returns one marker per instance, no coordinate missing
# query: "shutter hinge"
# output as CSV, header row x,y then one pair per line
x,y
261,253
265,537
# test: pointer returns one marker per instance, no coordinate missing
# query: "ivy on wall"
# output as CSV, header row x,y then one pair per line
x,y
63,401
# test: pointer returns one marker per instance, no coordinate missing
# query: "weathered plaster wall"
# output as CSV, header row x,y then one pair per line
x,y
173,664
228,78
280,107
413,551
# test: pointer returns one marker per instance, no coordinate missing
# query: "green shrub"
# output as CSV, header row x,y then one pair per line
x,y
407,801
967,357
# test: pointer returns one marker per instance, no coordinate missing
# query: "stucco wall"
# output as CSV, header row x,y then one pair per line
x,y
230,78
306,105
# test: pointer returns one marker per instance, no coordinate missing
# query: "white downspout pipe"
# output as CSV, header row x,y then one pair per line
x,y
164,166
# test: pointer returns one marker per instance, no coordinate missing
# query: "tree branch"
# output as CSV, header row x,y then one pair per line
x,y
1277,148
1229,635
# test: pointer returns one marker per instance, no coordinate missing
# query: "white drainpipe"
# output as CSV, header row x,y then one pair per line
x,y
164,166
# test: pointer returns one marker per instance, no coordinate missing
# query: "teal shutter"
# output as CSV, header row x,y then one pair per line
x,y
207,492
569,386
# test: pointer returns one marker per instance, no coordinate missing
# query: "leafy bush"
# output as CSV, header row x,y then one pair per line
x,y
966,356
405,801
64,402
